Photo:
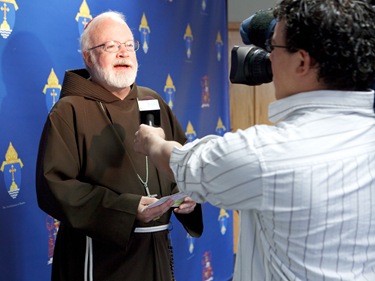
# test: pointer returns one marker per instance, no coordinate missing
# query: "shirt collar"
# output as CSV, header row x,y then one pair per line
x,y
360,100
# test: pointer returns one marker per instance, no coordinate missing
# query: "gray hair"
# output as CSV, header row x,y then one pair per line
x,y
86,39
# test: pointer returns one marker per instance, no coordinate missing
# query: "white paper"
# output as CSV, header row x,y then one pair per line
x,y
177,197
147,105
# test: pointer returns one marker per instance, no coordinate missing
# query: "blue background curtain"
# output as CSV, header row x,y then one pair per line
x,y
183,56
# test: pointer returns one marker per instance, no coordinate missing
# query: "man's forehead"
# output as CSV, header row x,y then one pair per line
x,y
112,30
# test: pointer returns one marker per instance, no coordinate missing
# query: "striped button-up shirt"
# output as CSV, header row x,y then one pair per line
x,y
305,188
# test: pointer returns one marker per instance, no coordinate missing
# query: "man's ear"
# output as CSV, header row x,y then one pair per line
x,y
87,58
306,62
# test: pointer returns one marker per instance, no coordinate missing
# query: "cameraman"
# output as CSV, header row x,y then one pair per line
x,y
305,187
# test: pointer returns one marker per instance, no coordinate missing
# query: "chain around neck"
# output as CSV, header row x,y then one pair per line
x,y
145,182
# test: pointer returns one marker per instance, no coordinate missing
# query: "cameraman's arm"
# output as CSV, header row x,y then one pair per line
x,y
151,141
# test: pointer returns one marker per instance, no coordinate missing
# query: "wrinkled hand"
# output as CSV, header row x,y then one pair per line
x,y
143,135
149,214
186,207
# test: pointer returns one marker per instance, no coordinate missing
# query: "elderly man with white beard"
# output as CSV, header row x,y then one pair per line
x,y
89,177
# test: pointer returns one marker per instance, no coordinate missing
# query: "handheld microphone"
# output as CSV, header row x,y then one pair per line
x,y
149,111
258,28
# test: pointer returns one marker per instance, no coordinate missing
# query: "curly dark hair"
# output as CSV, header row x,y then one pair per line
x,y
338,34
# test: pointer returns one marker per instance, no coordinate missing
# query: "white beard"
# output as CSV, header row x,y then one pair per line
x,y
112,79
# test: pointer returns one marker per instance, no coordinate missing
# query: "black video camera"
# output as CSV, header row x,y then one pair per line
x,y
250,65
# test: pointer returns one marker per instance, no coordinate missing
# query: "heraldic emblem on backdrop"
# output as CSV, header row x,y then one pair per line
x,y
8,9
183,56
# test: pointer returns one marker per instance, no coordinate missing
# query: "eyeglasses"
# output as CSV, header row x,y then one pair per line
x,y
270,47
115,46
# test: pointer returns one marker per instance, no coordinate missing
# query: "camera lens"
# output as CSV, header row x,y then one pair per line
x,y
250,65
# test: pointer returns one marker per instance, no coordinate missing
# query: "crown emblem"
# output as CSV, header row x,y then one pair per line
x,y
188,37
169,90
11,168
190,133
8,9
83,17
52,90
145,31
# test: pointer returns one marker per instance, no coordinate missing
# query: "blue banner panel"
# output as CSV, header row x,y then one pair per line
x,y
183,56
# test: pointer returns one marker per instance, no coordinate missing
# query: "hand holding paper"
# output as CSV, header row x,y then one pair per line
x,y
177,197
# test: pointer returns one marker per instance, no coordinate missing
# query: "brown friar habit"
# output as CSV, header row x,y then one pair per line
x,y
87,179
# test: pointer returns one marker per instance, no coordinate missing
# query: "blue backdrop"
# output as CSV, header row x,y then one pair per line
x,y
183,56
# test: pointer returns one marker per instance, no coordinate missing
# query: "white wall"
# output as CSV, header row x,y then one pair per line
x,y
238,10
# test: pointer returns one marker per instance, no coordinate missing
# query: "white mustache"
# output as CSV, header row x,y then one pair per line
x,y
123,62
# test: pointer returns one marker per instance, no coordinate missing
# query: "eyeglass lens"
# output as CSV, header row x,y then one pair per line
x,y
115,46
